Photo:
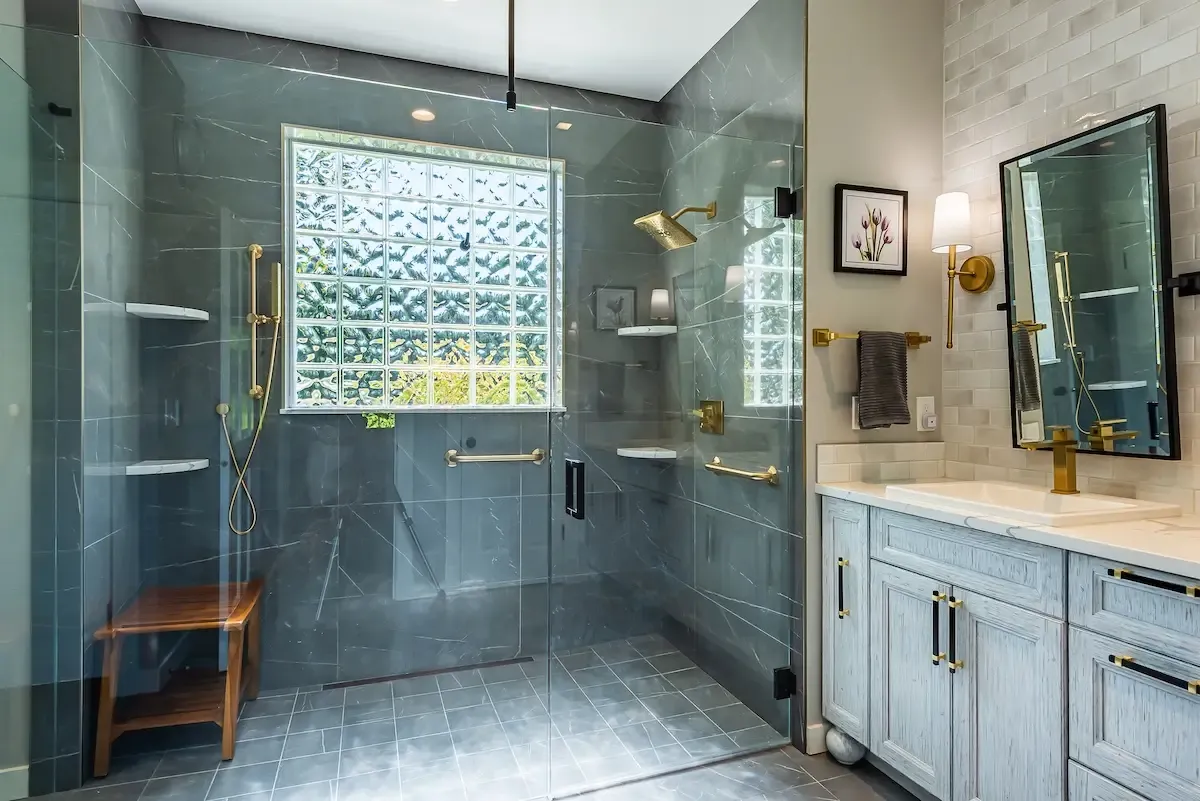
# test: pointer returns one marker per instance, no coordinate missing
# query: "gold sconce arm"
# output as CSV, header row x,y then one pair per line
x,y
975,276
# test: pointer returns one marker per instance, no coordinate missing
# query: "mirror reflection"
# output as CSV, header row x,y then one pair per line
x,y
1087,244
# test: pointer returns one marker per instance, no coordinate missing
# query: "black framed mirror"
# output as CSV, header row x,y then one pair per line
x,y
1087,246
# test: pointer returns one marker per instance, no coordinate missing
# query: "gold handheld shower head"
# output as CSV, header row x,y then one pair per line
x,y
667,231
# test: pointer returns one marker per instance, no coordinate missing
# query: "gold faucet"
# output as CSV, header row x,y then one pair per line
x,y
1104,433
1064,447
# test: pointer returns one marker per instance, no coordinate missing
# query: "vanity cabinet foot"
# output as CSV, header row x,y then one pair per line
x,y
844,748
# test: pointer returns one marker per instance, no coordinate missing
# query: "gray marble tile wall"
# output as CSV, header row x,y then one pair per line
x,y
348,596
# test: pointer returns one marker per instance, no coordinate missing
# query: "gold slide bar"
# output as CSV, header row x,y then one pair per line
x,y
771,476
454,458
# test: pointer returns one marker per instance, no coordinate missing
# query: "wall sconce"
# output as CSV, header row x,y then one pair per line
x,y
660,305
951,233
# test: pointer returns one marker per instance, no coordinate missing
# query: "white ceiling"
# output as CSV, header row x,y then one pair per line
x,y
637,48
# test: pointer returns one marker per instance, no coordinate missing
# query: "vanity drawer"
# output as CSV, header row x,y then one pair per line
x,y
1143,607
1021,573
1083,785
1140,729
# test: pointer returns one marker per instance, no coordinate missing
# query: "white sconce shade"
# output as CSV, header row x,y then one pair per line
x,y
660,304
952,222
735,276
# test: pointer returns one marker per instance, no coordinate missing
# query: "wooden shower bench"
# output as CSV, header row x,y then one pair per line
x,y
189,696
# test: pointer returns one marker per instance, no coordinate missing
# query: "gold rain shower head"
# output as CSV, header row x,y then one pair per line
x,y
667,230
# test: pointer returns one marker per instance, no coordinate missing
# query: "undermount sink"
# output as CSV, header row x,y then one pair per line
x,y
1029,504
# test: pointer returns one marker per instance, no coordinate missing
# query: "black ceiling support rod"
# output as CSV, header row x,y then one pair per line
x,y
511,97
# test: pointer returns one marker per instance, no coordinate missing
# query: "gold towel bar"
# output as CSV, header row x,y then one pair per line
x,y
821,337
1028,325
454,458
771,476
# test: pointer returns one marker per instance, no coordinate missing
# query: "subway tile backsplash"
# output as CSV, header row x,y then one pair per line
x,y
1018,76
893,461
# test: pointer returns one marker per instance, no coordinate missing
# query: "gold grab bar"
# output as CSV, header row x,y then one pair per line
x,y
771,476
1028,325
454,458
255,319
822,337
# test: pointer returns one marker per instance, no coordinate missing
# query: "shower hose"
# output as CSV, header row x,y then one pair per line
x,y
241,488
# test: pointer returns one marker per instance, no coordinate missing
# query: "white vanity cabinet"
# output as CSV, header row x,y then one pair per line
x,y
1074,678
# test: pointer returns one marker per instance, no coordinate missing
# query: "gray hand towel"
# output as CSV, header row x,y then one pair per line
x,y
1025,390
882,379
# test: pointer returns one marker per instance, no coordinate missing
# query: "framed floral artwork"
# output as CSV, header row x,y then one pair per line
x,y
616,307
870,230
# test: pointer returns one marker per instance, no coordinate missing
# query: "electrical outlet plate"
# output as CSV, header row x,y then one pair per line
x,y
925,408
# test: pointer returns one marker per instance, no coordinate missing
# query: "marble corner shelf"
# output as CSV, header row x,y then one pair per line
x,y
1107,385
647,331
655,453
150,467
155,311
1108,293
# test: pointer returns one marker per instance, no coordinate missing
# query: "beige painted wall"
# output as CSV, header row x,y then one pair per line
x,y
1019,76
874,117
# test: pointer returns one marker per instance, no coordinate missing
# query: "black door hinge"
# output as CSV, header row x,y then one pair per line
x,y
59,111
1188,284
785,683
787,203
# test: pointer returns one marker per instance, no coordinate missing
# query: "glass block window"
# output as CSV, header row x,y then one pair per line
x,y
770,282
420,276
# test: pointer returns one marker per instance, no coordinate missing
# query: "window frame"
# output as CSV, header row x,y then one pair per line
x,y
306,136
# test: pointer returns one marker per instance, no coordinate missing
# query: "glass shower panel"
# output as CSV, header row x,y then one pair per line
x,y
671,598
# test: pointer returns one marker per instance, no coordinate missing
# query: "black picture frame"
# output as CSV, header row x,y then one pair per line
x,y
843,236
1166,298
602,324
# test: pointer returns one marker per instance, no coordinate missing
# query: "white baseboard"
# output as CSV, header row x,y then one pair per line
x,y
815,741
14,783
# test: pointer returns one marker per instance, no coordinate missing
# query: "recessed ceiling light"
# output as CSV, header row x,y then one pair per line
x,y
777,163
423,115
563,126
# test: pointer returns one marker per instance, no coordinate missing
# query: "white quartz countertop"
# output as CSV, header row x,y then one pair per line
x,y
1170,544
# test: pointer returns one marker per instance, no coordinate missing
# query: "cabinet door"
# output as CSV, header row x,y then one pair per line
x,y
910,693
1009,697
846,632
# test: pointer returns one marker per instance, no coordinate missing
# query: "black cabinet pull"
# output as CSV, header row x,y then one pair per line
x,y
954,662
842,564
576,489
938,656
1129,663
1129,575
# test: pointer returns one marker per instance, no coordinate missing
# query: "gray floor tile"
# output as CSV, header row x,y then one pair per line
x,y
459,679
380,786
642,736
467,696
314,721
625,714
313,742
438,770
579,660
418,685
479,739
368,693
566,701
433,782
651,645
758,737
265,707
650,685
610,769
704,747
254,752
242,781
590,677
417,704
669,705
616,652
263,727
578,721
321,791
689,679
471,716
820,767
369,759
865,784
495,675
368,712
307,770
189,760
594,745
421,725
124,770
513,788
637,669
692,726
763,775
523,732
670,662
488,765
192,787
608,694
736,717
265,795
509,690
322,699
116,792
360,734
536,669
710,696
520,709
419,750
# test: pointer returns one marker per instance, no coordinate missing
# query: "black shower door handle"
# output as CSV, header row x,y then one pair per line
x,y
576,488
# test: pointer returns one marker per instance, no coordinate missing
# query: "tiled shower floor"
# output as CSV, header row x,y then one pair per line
x,y
622,710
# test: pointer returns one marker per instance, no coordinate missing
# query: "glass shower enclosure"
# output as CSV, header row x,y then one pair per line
x,y
494,544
